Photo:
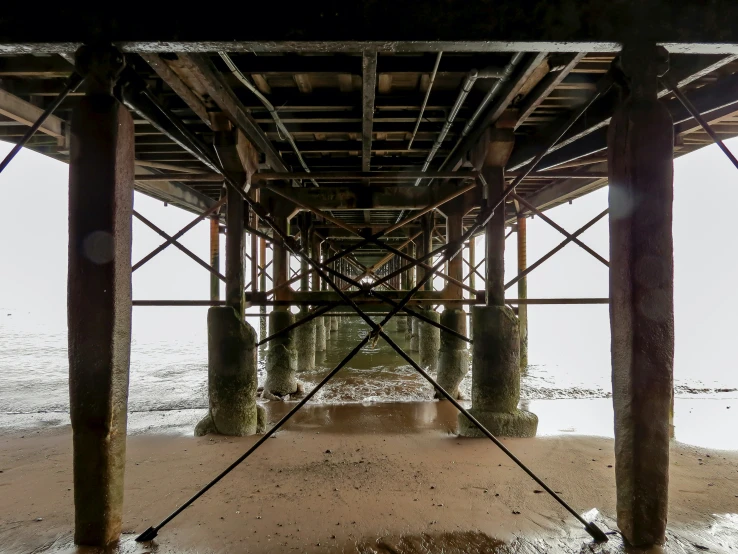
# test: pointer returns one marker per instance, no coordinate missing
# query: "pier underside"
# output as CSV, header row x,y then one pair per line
x,y
374,162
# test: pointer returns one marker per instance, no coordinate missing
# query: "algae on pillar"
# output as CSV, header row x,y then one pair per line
x,y
414,334
429,340
305,333
232,378
495,329
640,166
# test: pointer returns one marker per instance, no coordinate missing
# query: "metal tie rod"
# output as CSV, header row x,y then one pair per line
x,y
72,84
669,84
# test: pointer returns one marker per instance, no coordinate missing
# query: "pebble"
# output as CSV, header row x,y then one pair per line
x,y
328,451
39,519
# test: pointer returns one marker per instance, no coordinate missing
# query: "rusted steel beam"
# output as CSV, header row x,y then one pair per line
x,y
171,240
182,177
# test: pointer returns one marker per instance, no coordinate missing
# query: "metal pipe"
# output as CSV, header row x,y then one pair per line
x,y
72,84
392,176
270,108
509,68
425,100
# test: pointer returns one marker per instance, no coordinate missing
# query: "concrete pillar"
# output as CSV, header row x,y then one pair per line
x,y
410,275
232,378
496,376
320,330
453,356
495,329
429,341
214,257
640,152
99,297
262,288
305,334
523,292
414,334
281,362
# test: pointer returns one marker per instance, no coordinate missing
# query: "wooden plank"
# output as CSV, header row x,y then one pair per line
x,y
26,113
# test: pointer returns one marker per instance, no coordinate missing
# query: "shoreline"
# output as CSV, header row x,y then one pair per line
x,y
398,473
557,417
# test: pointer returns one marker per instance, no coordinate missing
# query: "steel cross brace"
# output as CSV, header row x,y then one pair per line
x,y
560,229
212,209
474,269
178,245
553,251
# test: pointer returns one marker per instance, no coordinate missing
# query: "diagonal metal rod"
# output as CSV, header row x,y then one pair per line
x,y
474,269
560,229
215,207
590,527
152,532
554,250
72,84
669,84
178,245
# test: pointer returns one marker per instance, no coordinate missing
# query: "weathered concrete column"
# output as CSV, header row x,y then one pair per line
x,y
640,153
414,334
262,288
429,340
401,320
410,275
281,362
495,330
320,330
232,378
453,356
214,257
99,297
305,334
523,291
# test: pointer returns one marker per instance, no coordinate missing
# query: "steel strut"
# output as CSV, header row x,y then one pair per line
x,y
71,85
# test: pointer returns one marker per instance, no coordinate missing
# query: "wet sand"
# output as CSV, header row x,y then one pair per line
x,y
362,479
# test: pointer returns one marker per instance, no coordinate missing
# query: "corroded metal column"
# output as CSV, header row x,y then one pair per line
x,y
523,291
320,329
262,288
214,257
305,333
99,296
640,166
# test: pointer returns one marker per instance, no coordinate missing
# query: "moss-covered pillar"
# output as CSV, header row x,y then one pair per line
x,y
640,152
281,362
495,329
99,296
523,291
453,356
410,275
414,333
232,379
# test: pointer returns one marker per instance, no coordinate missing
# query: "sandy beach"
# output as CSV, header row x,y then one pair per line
x,y
365,479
